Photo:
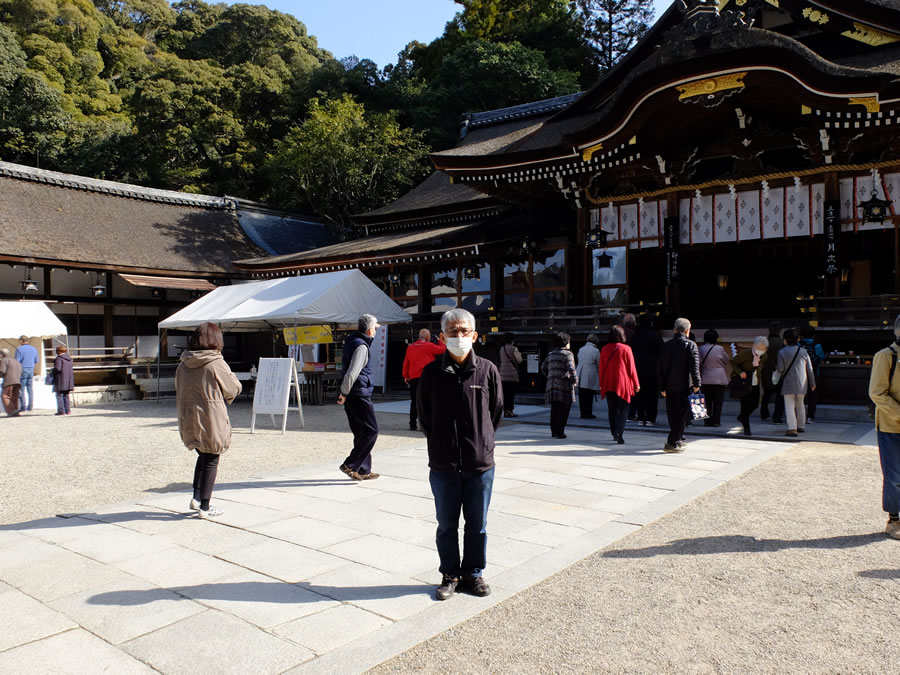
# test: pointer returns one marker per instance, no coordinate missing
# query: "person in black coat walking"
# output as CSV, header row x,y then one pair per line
x,y
646,344
63,380
679,373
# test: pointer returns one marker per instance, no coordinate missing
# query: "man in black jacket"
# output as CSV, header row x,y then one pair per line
x,y
460,400
679,372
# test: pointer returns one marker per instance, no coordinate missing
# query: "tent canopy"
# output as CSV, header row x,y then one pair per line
x,y
31,318
333,297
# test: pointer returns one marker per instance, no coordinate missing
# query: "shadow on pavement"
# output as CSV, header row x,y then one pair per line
x,y
743,544
262,591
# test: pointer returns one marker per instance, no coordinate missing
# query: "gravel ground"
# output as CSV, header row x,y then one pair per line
x,y
108,454
784,569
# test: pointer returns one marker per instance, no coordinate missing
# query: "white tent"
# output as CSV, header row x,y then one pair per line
x,y
333,297
31,318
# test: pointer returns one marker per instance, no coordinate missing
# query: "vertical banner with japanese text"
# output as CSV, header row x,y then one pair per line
x,y
831,231
671,242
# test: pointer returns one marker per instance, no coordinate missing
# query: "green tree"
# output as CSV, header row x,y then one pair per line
x,y
341,161
482,76
615,26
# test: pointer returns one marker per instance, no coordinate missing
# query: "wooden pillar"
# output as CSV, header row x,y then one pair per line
x,y
108,325
47,290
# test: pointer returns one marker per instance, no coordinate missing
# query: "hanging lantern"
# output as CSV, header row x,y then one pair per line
x,y
875,210
393,278
28,284
471,272
596,239
722,282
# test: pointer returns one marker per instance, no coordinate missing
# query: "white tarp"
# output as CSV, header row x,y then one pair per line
x,y
333,297
31,318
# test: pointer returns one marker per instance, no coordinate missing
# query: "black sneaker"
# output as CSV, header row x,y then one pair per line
x,y
447,587
476,586
413,427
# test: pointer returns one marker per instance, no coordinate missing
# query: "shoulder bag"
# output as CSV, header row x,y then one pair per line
x,y
776,378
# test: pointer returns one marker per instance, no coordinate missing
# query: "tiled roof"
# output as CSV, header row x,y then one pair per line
x,y
532,109
379,244
46,215
280,233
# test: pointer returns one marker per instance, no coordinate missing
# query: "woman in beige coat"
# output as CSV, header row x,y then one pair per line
x,y
203,385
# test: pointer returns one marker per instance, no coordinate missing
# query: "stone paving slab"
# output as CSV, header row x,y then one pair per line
x,y
308,571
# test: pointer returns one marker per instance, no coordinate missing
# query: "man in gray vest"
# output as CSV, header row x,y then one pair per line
x,y
356,397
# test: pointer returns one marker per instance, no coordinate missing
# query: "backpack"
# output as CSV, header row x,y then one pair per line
x,y
869,402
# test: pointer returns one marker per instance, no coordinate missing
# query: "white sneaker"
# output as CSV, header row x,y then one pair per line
x,y
195,505
213,512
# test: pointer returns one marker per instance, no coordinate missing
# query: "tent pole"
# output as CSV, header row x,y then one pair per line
x,y
158,356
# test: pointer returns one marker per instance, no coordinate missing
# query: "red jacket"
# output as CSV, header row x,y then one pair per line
x,y
418,355
617,372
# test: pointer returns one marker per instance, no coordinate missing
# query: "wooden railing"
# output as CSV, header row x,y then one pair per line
x,y
95,357
859,312
586,318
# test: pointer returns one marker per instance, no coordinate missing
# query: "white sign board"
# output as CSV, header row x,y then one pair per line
x,y
533,364
274,378
378,357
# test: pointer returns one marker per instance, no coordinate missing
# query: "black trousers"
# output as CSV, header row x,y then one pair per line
x,y
586,402
676,410
749,403
205,471
618,413
812,397
361,416
509,395
768,394
648,399
413,408
559,415
715,399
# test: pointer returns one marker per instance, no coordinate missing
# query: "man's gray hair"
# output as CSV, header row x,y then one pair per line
x,y
455,316
4,352
629,321
425,334
761,340
366,323
897,326
682,326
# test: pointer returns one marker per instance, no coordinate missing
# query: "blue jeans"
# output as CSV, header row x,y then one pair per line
x,y
889,451
469,492
27,387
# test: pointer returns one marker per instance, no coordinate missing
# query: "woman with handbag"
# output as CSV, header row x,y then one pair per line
x,y
63,376
618,380
714,375
559,369
746,368
510,360
795,372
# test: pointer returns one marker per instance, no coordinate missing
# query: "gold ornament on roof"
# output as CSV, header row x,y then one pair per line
x,y
711,86
870,102
816,15
869,35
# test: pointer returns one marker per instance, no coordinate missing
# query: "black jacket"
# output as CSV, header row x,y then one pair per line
x,y
679,365
460,408
646,344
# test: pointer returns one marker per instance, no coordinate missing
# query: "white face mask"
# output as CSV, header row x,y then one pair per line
x,y
759,352
459,346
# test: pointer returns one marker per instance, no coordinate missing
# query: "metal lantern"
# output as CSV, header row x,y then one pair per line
x,y
28,284
393,279
98,290
722,281
875,210
471,272
596,239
